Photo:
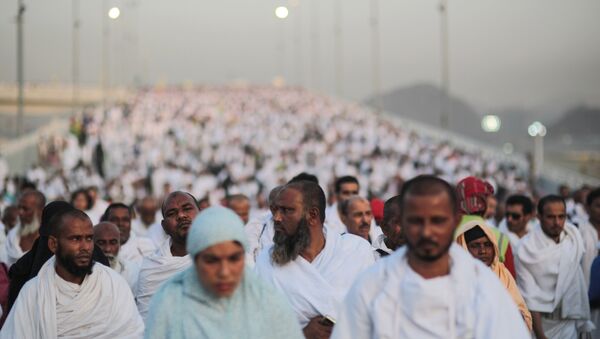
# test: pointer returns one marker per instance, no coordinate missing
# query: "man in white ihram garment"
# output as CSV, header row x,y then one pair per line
x,y
313,266
72,296
106,237
179,210
550,275
430,288
133,248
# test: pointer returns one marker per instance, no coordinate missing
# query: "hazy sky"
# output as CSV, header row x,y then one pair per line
x,y
503,53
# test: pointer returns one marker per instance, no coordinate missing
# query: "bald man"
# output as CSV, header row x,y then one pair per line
x,y
106,237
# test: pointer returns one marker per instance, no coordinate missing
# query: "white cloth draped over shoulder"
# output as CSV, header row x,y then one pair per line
x,y
50,307
318,287
591,245
136,248
549,276
260,235
155,270
129,270
13,250
390,300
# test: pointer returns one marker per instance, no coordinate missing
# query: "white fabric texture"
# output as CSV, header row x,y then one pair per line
x,y
549,275
591,245
136,248
50,307
260,235
154,271
390,300
318,287
13,250
129,270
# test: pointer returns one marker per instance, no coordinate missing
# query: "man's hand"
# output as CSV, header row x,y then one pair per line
x,y
315,330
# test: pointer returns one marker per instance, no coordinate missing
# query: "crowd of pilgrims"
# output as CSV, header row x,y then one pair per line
x,y
278,213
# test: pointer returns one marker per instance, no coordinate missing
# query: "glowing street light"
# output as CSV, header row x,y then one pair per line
x,y
114,13
536,129
490,123
281,12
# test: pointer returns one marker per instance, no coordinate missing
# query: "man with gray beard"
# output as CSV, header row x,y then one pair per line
x,y
106,237
313,267
20,239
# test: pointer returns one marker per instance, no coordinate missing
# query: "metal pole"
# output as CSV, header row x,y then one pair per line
x,y
375,58
75,84
20,68
105,57
445,73
338,51
316,80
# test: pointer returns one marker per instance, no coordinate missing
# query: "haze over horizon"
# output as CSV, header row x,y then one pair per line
x,y
531,55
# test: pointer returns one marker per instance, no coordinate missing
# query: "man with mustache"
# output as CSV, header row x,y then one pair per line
x,y
430,288
312,265
106,237
178,210
72,296
133,248
20,239
356,215
550,274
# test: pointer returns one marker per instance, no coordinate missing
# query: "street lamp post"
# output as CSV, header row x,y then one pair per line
x,y
75,84
375,55
537,130
20,68
445,72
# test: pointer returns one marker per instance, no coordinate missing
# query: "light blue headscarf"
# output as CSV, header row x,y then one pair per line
x,y
215,225
183,308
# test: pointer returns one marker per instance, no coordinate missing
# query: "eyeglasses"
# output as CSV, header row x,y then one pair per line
x,y
514,216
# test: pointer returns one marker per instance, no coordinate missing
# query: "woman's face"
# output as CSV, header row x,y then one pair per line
x,y
220,268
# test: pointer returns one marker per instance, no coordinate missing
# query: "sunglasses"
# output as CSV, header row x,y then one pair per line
x,y
514,216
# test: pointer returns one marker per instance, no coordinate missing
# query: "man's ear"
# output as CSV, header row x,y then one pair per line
x,y
162,223
52,243
313,216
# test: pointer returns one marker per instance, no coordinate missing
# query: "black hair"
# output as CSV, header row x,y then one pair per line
x,y
344,180
57,222
312,196
428,185
593,195
547,200
304,177
88,197
391,209
524,201
113,206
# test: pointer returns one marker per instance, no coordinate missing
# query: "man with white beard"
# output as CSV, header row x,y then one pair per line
x,y
133,248
106,237
72,296
21,237
179,210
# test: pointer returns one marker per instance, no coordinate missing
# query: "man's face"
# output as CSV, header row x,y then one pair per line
x,y
93,194
516,219
74,245
180,211
241,208
108,241
292,235
347,190
482,249
147,212
358,218
428,224
288,210
28,209
120,216
220,268
594,211
392,230
553,219
9,219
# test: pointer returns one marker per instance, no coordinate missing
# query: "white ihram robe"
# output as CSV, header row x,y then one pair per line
x,y
390,300
319,287
50,307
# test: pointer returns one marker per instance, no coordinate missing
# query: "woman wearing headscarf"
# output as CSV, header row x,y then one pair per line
x,y
477,238
218,297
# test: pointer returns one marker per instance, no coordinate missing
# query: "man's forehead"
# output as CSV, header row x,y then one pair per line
x,y
349,186
359,204
554,207
118,211
177,200
76,225
424,202
288,196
